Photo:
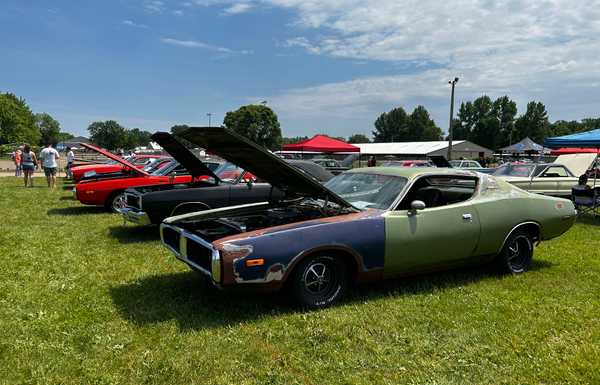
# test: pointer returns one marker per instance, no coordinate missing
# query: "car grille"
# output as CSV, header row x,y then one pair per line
x,y
198,254
132,201
171,238
193,250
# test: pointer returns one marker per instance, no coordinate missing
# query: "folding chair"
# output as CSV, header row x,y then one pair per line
x,y
587,201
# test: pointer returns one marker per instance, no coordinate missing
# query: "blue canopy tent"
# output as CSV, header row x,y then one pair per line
x,y
580,139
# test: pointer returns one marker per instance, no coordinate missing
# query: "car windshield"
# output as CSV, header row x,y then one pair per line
x,y
455,163
521,170
160,168
367,190
228,172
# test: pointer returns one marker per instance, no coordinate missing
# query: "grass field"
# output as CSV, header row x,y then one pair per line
x,y
86,300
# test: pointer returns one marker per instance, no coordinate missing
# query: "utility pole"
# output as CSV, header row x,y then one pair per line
x,y
453,83
209,116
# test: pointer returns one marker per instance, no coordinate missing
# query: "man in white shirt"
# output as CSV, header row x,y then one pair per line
x,y
70,160
48,158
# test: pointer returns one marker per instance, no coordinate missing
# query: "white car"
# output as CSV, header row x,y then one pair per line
x,y
556,179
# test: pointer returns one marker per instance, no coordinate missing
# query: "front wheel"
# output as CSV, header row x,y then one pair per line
x,y
319,281
517,253
115,202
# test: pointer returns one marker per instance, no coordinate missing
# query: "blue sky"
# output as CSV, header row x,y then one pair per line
x,y
328,66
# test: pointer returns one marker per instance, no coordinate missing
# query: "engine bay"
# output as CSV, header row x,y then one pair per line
x,y
214,229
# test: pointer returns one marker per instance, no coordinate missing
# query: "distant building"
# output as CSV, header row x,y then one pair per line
x,y
419,150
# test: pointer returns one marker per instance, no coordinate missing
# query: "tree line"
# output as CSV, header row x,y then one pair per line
x,y
495,124
18,124
113,136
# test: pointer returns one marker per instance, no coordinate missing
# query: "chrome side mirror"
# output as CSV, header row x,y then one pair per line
x,y
416,206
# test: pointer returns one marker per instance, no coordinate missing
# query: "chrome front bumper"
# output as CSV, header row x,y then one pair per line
x,y
180,250
137,217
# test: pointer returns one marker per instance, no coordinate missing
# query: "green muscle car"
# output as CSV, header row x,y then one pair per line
x,y
363,225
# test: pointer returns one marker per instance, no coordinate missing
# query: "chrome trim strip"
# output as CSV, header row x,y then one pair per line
x,y
182,253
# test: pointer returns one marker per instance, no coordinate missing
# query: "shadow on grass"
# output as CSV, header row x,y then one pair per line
x,y
77,210
66,198
191,300
134,234
589,219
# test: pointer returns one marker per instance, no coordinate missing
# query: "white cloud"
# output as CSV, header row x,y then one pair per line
x,y
545,50
132,23
178,12
237,9
154,6
202,45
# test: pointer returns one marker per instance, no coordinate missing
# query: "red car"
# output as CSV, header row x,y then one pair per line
x,y
107,190
87,170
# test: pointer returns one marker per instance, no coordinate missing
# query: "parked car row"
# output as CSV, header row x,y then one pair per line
x,y
263,222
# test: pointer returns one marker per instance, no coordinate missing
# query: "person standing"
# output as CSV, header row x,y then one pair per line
x,y
28,162
17,160
49,157
70,160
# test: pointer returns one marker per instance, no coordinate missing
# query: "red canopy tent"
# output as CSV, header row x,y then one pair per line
x,y
573,150
321,143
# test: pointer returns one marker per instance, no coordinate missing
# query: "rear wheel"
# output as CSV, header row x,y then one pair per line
x,y
115,202
319,281
517,253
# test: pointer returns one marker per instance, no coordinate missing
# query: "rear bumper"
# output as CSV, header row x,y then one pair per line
x,y
137,217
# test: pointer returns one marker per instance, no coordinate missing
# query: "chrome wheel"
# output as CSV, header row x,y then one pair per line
x,y
519,253
317,277
118,202
319,281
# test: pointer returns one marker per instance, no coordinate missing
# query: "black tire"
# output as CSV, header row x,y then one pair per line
x,y
517,253
115,201
320,281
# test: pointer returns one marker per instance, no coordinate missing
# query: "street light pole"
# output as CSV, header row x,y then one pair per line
x,y
453,83
209,115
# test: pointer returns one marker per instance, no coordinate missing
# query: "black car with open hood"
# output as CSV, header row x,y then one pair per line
x,y
228,185
259,161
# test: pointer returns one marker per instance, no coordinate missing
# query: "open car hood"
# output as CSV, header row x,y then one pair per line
x,y
114,157
578,164
182,155
260,162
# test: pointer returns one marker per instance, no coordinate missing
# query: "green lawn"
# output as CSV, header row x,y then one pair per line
x,y
85,300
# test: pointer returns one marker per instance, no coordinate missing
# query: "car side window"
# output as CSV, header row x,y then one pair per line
x,y
440,190
555,172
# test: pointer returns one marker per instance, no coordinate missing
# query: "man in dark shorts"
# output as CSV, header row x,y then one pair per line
x,y
49,157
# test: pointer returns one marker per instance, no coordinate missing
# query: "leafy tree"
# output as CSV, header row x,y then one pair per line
x,y
64,136
178,128
137,137
534,123
398,126
109,134
487,123
49,128
359,138
505,111
391,126
422,127
256,122
17,122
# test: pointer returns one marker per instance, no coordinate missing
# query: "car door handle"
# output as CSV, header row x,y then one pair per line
x,y
467,217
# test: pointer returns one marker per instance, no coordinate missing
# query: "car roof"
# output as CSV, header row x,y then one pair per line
x,y
411,172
